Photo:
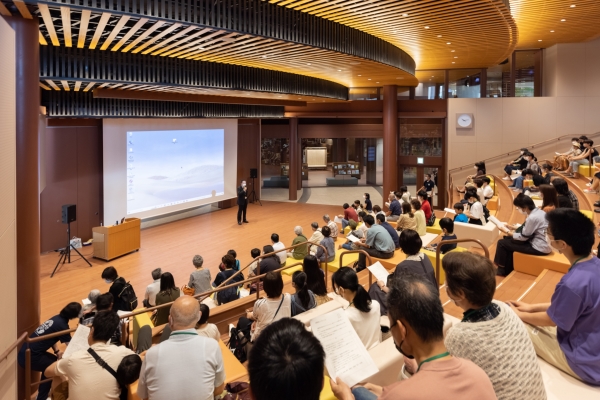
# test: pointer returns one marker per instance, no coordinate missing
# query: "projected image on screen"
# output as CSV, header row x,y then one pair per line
x,y
165,168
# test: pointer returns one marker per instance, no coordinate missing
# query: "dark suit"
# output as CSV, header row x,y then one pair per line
x,y
242,202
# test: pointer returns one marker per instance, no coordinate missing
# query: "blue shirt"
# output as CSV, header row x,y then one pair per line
x,y
395,208
461,218
575,309
393,233
448,247
53,325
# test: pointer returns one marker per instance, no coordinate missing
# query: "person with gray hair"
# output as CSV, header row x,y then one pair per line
x,y
200,279
153,289
88,312
187,366
316,237
332,227
298,253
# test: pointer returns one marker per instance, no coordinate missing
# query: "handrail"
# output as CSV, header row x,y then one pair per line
x,y
452,241
369,260
13,346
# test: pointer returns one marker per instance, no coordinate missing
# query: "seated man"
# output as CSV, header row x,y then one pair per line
x,y
526,174
277,245
153,289
417,326
390,229
332,227
394,208
349,213
565,331
378,243
85,376
187,366
273,376
298,253
517,164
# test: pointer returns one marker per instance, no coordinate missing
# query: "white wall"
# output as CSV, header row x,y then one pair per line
x,y
8,232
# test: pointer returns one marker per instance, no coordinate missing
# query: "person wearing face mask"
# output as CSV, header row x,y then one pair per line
x,y
518,163
242,202
582,159
417,326
528,238
117,284
490,333
475,209
561,160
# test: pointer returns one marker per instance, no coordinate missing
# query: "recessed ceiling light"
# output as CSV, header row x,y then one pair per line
x,y
448,43
563,20
339,70
452,51
426,27
433,76
405,15
453,62
573,6
439,35
539,40
376,82
551,31
264,56
455,56
308,64
359,75
369,79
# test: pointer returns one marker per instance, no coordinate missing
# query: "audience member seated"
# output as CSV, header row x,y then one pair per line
x,y
575,150
117,284
377,210
227,271
349,214
89,310
378,243
470,182
519,163
566,197
368,204
252,268
405,196
315,279
364,313
417,326
168,293
394,208
316,237
303,299
528,238
419,217
459,209
547,174
286,362
407,220
549,198
415,262
390,229
357,233
447,226
200,279
152,289
487,191
357,206
594,185
583,159
565,331
86,380
203,328
526,174
298,253
236,264
187,366
327,242
41,359
270,263
490,333
105,303
332,227
267,310
475,209
128,371
279,248
361,220
426,208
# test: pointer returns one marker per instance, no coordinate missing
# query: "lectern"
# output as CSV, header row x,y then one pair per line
x,y
114,241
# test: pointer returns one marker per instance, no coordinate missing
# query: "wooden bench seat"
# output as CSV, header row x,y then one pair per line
x,y
542,289
534,265
513,286
347,260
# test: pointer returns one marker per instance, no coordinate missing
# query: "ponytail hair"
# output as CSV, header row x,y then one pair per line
x,y
346,278
299,278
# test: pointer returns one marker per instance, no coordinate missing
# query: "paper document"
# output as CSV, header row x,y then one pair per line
x,y
86,301
379,272
337,220
538,203
353,238
428,238
347,359
498,223
449,210
79,341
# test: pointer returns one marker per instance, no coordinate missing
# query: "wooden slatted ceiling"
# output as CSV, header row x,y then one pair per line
x,y
537,19
481,32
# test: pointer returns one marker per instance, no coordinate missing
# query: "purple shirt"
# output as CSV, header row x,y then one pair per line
x,y
575,310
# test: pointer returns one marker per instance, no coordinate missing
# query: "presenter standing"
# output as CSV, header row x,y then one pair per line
x,y
242,202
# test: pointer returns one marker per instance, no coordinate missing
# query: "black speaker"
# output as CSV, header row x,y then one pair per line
x,y
69,213
253,173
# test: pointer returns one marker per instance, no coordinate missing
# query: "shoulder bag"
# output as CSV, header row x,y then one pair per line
x,y
111,371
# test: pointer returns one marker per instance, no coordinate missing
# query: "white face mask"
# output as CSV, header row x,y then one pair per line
x,y
550,243
475,166
108,281
522,152
521,211
243,184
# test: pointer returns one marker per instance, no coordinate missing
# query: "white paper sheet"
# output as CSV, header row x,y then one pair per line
x,y
337,220
449,210
345,355
498,223
379,272
353,238
428,238
86,301
79,341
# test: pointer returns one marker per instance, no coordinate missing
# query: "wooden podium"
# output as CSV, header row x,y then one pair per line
x,y
114,241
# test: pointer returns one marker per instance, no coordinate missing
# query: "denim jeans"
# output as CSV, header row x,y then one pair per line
x,y
361,393
345,223
347,246
518,182
575,164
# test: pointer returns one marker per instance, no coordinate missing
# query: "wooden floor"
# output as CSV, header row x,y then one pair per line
x,y
172,247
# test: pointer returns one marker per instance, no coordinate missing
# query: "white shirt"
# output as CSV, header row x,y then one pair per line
x,y
488,193
210,331
185,367
151,292
282,254
476,210
87,379
265,309
366,325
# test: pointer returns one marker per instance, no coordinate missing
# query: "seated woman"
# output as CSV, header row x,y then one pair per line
x,y
419,217
368,204
518,163
487,324
561,160
594,184
407,219
168,293
549,198
415,262
315,279
270,309
203,328
589,152
327,242
303,299
566,197
529,238
481,172
227,271
357,233
475,209
425,206
364,313
547,174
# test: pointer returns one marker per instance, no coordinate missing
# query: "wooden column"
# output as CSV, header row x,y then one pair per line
x,y
390,138
483,83
295,163
538,74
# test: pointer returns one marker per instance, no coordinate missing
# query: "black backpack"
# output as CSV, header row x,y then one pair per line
x,y
238,341
128,297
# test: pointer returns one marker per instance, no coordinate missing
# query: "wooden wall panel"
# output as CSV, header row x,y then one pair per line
x,y
89,180
325,131
275,132
249,152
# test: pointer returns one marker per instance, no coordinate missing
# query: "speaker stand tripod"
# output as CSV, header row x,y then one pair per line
x,y
252,197
65,254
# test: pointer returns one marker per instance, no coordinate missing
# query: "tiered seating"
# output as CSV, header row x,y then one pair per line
x,y
534,265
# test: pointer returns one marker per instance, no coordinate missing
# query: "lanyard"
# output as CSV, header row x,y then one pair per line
x,y
446,354
184,333
576,261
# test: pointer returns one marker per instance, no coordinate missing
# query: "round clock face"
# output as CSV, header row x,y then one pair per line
x,y
464,120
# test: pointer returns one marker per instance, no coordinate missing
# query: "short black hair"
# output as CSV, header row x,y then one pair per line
x,y
273,284
403,189
572,227
486,179
228,261
268,249
232,253
345,206
412,299
205,313
471,274
104,301
416,204
561,186
459,206
478,182
110,273
524,202
448,224
105,324
71,310
410,242
254,252
422,194
369,220
167,282
129,369
428,175
588,141
275,237
528,171
326,231
376,209
380,217
286,362
470,194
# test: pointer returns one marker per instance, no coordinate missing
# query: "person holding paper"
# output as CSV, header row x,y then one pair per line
x,y
353,236
417,326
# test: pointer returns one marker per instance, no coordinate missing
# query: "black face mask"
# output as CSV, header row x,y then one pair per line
x,y
399,348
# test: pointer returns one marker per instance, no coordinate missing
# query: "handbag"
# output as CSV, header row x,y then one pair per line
x,y
237,391
188,291
431,220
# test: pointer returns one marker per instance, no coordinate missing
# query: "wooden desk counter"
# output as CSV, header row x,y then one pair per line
x,y
113,241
